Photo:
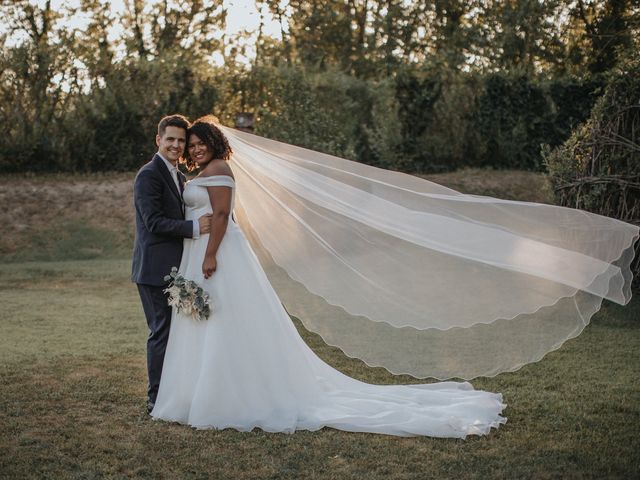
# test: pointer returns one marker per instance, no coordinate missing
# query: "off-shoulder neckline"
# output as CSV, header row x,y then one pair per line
x,y
214,176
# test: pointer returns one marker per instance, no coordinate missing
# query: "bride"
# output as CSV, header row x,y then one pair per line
x,y
324,233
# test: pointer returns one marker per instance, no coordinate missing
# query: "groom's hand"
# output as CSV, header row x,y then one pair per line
x,y
209,266
205,223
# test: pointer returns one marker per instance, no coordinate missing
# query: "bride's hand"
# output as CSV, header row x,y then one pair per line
x,y
209,266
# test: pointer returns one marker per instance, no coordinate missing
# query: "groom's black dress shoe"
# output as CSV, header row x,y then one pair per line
x,y
150,406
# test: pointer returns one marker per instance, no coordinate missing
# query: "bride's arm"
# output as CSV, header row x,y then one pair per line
x,y
221,204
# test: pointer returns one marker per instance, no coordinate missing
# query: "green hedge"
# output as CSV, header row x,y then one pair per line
x,y
498,120
419,120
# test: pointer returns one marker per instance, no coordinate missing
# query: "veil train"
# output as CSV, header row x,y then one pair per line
x,y
419,278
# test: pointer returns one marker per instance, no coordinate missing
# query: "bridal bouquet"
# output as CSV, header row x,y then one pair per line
x,y
187,296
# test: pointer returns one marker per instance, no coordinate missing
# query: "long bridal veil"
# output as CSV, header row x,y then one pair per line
x,y
418,278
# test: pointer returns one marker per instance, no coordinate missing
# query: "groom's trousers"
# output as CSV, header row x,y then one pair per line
x,y
158,313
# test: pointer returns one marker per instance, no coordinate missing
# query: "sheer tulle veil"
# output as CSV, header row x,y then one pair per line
x,y
418,278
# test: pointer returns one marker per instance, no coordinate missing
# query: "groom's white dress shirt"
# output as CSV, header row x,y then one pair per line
x,y
173,170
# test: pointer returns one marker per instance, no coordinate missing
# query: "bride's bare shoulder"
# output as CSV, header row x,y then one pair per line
x,y
217,167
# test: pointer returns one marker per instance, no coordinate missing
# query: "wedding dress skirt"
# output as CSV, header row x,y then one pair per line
x,y
247,366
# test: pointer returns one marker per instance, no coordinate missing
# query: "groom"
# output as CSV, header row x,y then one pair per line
x,y
160,230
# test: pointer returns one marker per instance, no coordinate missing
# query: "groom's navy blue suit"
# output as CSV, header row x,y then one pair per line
x,y
160,229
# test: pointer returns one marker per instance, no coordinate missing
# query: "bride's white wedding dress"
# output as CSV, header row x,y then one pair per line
x,y
248,367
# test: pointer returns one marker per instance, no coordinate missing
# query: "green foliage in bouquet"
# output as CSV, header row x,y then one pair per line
x,y
187,296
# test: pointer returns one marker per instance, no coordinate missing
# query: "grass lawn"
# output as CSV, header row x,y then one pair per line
x,y
73,378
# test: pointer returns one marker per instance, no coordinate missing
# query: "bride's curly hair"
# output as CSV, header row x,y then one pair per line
x,y
206,130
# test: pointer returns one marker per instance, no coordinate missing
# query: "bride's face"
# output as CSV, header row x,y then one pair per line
x,y
198,151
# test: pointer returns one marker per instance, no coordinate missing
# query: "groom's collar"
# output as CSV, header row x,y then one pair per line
x,y
170,166
166,172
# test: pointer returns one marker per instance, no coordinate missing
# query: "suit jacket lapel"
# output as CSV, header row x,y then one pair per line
x,y
181,180
167,176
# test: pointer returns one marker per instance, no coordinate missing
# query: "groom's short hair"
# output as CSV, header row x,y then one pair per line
x,y
175,120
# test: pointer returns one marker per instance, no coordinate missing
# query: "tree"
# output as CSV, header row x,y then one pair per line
x,y
606,24
38,79
186,28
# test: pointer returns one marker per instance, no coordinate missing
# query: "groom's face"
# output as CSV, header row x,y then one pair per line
x,y
171,143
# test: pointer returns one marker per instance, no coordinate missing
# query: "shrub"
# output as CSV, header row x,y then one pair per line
x,y
321,111
598,167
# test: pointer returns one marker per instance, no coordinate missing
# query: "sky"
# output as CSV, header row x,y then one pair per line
x,y
242,15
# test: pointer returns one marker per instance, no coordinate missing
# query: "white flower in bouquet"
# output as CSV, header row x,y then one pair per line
x,y
174,296
187,296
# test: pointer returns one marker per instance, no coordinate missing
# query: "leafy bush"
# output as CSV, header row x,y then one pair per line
x,y
445,121
598,167
426,119
321,111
